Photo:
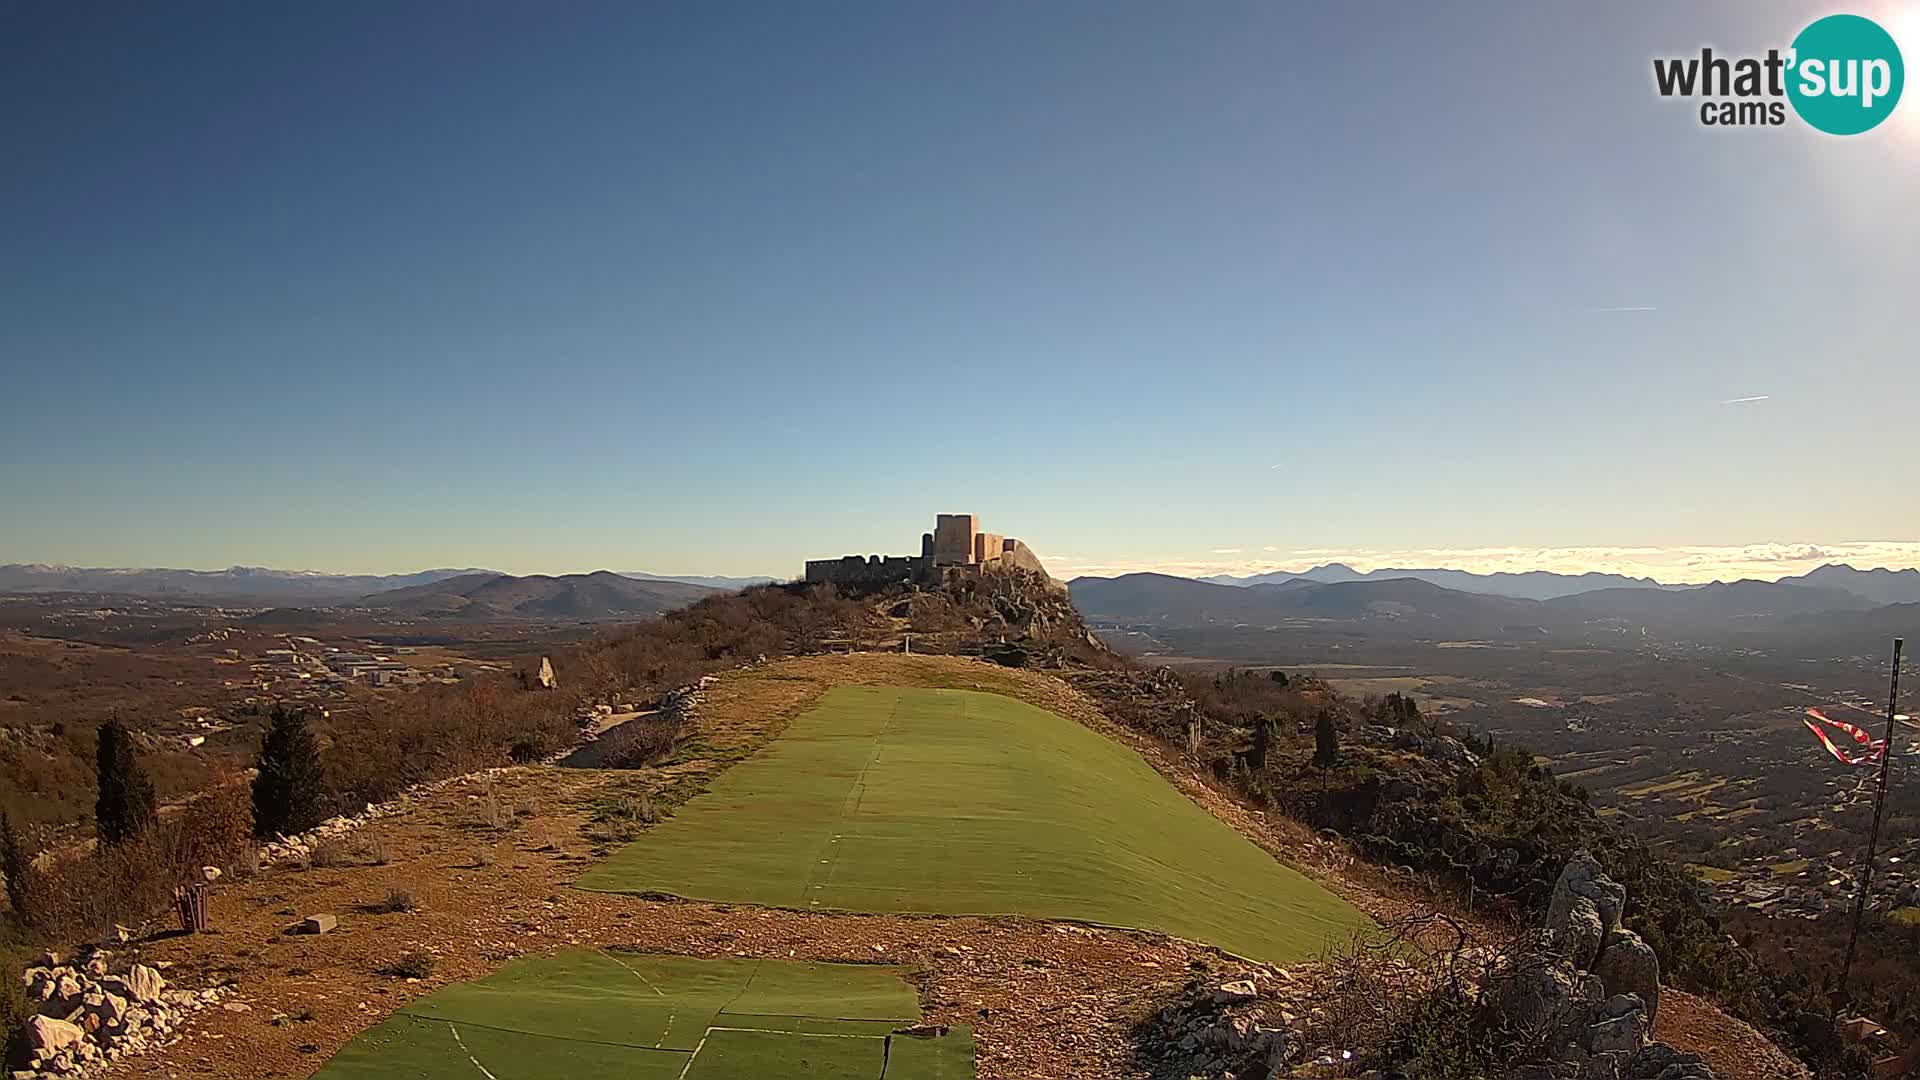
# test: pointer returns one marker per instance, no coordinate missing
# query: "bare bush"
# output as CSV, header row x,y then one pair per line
x,y
409,965
328,854
1408,997
79,896
397,901
639,742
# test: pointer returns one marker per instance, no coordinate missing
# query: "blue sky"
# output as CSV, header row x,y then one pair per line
x,y
718,287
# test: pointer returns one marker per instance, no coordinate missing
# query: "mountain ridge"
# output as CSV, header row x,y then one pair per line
x,y
601,594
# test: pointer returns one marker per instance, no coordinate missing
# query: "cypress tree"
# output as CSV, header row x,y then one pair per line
x,y
126,804
1326,740
13,863
290,792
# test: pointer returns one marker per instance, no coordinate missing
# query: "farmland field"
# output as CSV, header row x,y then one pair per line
x,y
964,803
660,1018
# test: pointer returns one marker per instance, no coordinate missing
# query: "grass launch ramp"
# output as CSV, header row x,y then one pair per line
x,y
607,1014
964,803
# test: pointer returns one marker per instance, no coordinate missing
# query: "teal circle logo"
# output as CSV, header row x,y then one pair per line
x,y
1846,74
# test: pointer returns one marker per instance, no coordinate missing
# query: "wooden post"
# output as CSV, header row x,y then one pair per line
x,y
191,900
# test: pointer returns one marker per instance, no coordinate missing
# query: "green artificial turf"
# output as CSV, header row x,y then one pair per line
x,y
637,1017
965,803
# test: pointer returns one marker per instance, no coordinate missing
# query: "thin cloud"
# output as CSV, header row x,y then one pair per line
x,y
1746,400
1617,310
1226,551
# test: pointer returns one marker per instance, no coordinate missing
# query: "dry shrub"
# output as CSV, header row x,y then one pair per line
x,y
217,827
14,1010
1407,998
81,896
329,853
395,902
409,965
639,742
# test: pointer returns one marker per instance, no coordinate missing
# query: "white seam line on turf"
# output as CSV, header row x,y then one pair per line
x,y
672,1014
636,974
469,1053
695,1056
799,1034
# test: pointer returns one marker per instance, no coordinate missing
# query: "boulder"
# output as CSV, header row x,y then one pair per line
x,y
1628,966
1235,993
143,984
319,924
1538,990
1620,1034
1582,880
1579,931
47,1036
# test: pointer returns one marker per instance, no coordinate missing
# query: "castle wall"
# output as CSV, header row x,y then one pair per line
x,y
953,539
873,570
986,546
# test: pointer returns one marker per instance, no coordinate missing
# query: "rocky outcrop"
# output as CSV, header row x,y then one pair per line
x,y
1248,1028
1585,991
90,1015
1627,965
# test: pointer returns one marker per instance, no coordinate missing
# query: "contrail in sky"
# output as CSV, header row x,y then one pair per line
x,y
1745,400
1610,310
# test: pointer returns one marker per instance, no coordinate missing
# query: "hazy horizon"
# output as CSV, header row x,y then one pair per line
x,y
1685,565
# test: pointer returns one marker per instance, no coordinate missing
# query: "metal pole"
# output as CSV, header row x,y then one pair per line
x,y
1879,807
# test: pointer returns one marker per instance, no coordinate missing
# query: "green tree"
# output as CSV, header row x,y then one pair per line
x,y
1326,740
126,804
290,793
13,863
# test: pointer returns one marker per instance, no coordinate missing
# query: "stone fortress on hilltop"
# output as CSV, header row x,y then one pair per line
x,y
956,545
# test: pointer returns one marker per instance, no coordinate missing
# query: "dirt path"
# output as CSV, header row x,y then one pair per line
x,y
486,864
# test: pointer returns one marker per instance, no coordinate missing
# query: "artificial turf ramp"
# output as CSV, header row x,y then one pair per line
x,y
639,1017
964,803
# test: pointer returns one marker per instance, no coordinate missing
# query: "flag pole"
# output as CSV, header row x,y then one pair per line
x,y
1879,808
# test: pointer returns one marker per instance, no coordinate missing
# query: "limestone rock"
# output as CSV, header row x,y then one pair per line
x,y
144,984
1582,884
1621,1034
1235,993
47,1036
1628,966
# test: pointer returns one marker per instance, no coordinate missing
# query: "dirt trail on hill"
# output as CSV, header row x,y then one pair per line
x,y
488,862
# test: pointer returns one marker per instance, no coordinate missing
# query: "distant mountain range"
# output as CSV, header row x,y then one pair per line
x,y
238,583
599,595
1878,586
728,583
1412,606
259,585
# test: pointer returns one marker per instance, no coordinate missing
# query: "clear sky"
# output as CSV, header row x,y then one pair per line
x,y
716,287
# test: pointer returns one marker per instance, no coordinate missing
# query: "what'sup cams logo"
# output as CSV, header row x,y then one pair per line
x,y
1842,75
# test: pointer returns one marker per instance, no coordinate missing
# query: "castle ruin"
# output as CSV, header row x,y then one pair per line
x,y
956,545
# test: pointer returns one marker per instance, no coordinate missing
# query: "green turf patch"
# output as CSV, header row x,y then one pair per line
x,y
737,1055
964,803
949,1057
591,1014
